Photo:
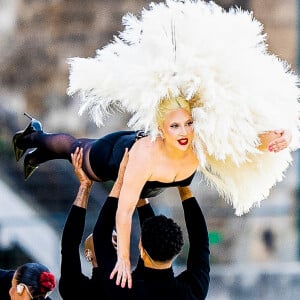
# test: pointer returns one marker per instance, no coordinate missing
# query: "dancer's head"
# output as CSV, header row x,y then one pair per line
x,y
31,281
175,122
161,241
89,251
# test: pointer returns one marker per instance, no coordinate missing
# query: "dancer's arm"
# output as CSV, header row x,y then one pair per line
x,y
72,234
196,277
86,184
275,141
144,210
136,174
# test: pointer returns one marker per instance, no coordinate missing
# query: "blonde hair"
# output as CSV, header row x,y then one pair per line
x,y
169,104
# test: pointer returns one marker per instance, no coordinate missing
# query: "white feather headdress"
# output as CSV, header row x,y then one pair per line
x,y
196,49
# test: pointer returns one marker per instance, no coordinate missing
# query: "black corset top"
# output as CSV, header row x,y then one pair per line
x,y
153,188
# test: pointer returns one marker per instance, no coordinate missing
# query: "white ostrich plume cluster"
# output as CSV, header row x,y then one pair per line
x,y
198,50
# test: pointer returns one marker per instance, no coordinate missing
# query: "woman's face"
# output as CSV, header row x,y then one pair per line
x,y
178,129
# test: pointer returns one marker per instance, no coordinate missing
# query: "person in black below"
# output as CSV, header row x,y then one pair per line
x,y
73,284
161,241
6,277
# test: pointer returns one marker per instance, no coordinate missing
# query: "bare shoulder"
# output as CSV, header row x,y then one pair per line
x,y
141,159
144,148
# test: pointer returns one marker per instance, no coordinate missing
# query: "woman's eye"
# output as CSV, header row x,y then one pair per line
x,y
190,123
174,126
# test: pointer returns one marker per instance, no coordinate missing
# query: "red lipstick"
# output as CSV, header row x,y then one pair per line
x,y
183,142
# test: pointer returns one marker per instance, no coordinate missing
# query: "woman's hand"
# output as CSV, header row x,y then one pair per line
x,y
281,142
122,269
275,141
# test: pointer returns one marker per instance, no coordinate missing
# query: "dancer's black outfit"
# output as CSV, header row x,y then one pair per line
x,y
6,277
152,283
106,254
104,154
73,284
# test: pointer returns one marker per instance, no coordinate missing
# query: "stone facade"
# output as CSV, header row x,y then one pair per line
x,y
280,23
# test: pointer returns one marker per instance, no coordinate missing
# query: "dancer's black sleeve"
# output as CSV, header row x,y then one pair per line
x,y
144,213
102,235
196,277
71,273
6,277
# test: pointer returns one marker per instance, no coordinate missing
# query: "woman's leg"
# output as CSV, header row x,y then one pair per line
x,y
101,157
56,146
53,146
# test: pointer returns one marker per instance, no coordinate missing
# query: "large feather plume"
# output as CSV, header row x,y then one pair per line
x,y
217,60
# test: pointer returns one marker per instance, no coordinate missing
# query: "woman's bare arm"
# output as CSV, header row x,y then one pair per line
x,y
137,172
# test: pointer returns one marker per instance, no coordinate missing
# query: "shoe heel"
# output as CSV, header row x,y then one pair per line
x,y
28,167
28,116
18,151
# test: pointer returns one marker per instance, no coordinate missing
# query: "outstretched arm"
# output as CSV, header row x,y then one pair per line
x,y
196,277
84,190
73,231
136,174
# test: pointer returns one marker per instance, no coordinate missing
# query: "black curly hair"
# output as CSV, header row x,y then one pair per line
x,y
162,238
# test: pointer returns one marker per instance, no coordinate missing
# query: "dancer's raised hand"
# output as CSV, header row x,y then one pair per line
x,y
77,157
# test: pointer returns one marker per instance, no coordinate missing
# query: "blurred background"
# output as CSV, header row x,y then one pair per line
x,y
255,256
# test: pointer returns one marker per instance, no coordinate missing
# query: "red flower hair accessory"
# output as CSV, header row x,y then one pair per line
x,y
47,282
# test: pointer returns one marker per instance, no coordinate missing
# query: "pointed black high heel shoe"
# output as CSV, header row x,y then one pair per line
x,y
28,167
33,126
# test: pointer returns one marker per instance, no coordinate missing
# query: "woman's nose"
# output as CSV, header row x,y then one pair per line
x,y
183,130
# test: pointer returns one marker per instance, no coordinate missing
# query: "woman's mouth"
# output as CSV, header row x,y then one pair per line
x,y
183,142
